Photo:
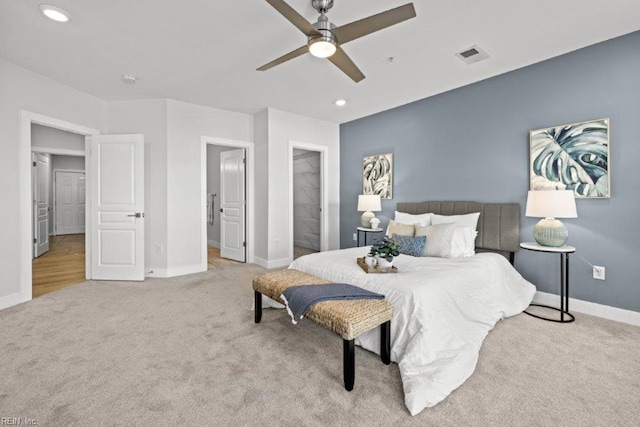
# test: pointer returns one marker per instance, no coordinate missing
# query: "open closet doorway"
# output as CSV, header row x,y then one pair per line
x,y
307,202
226,205
59,199
308,210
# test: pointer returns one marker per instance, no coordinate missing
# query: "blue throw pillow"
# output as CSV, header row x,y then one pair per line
x,y
410,245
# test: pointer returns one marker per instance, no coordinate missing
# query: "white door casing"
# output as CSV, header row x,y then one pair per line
x,y
117,207
41,184
232,205
69,200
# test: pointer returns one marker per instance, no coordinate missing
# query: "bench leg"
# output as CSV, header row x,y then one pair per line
x,y
257,296
385,342
349,363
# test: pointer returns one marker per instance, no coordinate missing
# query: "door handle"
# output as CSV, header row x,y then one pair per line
x,y
221,210
137,215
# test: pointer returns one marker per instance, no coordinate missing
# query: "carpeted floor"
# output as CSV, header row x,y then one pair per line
x,y
186,350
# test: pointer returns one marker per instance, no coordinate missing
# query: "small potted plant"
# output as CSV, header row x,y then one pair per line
x,y
385,252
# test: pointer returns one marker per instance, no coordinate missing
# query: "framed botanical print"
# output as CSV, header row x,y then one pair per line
x,y
571,157
377,175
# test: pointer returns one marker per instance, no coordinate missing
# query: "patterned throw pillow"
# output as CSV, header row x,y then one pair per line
x,y
410,245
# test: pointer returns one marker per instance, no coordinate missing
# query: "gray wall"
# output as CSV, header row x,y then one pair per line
x,y
472,143
213,186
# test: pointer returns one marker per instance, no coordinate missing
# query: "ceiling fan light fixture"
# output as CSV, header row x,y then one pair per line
x,y
55,13
322,47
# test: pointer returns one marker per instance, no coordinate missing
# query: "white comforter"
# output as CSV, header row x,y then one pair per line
x,y
443,310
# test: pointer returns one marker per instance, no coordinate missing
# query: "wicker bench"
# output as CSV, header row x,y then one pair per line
x,y
347,318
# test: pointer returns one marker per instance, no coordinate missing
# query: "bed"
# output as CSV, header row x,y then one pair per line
x,y
443,307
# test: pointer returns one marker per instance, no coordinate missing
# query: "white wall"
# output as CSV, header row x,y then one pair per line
x,y
283,128
148,117
187,124
48,137
261,143
21,89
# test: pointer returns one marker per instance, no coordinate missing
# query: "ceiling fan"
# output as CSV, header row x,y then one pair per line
x,y
324,39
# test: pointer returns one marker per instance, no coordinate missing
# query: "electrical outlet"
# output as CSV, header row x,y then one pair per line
x,y
355,237
598,272
159,249
276,243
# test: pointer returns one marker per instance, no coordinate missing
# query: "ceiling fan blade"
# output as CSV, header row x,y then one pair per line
x,y
294,17
357,29
284,58
342,61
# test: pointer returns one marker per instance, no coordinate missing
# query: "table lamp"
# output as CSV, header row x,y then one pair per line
x,y
550,205
368,203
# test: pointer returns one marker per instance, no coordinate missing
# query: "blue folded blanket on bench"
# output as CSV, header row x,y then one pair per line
x,y
299,299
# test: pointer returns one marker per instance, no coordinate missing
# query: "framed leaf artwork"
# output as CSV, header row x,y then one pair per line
x,y
377,175
571,157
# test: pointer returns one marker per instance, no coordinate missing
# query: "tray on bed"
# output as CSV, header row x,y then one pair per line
x,y
375,269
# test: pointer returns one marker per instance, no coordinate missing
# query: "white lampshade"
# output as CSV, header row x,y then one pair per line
x,y
551,204
369,203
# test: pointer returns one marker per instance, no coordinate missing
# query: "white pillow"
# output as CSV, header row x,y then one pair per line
x,y
463,243
405,218
438,239
468,220
399,229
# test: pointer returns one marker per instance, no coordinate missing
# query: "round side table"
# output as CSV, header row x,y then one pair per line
x,y
366,232
564,251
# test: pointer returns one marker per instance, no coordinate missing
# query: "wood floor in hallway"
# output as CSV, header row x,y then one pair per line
x,y
62,266
215,260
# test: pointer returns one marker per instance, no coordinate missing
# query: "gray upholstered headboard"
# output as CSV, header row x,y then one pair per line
x,y
498,225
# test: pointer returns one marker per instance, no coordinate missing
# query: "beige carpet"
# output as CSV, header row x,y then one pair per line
x,y
187,351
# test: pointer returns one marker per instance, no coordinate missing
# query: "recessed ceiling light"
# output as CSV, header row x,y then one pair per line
x,y
129,78
341,102
55,13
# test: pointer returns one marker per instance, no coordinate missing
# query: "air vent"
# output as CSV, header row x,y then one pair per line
x,y
472,55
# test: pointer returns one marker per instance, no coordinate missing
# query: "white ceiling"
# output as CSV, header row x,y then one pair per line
x,y
206,51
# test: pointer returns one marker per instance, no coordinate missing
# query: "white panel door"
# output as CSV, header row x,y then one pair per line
x,y
232,205
70,202
41,185
117,207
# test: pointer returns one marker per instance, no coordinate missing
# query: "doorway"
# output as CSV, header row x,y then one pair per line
x,y
226,189
308,209
59,199
307,202
227,236
25,184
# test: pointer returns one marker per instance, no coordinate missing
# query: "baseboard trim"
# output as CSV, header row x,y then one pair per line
x,y
276,263
591,308
11,300
157,272
213,243
177,271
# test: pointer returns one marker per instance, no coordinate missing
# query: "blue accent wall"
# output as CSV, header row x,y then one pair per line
x,y
472,143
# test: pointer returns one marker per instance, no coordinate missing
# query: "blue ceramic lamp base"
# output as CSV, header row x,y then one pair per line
x,y
550,232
